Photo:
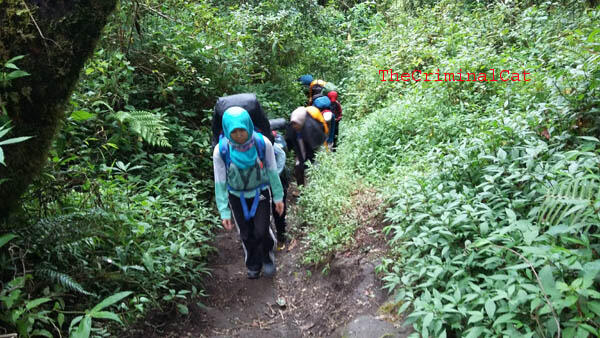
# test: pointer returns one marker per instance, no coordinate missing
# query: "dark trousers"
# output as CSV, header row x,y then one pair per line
x,y
299,173
335,135
280,220
256,235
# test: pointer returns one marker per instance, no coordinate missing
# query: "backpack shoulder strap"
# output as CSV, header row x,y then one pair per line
x,y
224,151
259,143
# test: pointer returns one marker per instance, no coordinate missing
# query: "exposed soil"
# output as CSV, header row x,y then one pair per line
x,y
296,302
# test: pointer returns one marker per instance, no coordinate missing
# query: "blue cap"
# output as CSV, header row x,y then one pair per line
x,y
322,102
306,79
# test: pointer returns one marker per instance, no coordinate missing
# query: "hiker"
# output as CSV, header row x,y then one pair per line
x,y
305,133
328,117
293,137
280,147
315,90
323,103
305,81
336,109
245,169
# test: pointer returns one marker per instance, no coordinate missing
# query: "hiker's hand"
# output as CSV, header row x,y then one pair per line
x,y
279,208
227,224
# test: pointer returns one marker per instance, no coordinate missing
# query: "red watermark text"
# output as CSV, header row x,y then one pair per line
x,y
417,75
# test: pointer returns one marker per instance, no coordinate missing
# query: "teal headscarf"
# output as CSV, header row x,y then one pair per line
x,y
243,155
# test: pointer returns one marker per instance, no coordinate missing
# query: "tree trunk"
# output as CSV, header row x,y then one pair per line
x,y
56,37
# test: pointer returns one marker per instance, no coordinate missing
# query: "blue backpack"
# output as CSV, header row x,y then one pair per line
x,y
259,143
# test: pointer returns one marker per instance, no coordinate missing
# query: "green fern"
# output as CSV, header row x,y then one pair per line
x,y
149,126
569,202
63,279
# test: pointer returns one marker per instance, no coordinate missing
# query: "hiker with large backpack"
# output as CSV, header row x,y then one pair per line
x,y
306,132
246,181
336,109
323,104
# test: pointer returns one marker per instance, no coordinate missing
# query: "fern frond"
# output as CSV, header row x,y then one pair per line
x,y
570,202
63,279
149,126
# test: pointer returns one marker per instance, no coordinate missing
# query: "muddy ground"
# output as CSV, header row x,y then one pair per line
x,y
299,301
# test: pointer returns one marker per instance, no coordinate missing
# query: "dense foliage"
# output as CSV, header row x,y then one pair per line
x,y
121,219
493,186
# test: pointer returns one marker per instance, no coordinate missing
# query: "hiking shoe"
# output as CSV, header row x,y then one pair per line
x,y
253,274
281,240
269,269
280,246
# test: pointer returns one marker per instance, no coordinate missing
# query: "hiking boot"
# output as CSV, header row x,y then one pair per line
x,y
253,274
281,240
269,269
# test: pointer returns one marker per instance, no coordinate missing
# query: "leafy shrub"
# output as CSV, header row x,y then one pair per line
x,y
492,186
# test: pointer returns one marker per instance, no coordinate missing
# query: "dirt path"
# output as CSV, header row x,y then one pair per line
x,y
296,302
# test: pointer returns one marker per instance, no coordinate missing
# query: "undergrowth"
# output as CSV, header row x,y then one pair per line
x,y
492,185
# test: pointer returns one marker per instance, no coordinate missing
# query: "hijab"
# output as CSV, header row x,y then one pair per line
x,y
299,116
243,155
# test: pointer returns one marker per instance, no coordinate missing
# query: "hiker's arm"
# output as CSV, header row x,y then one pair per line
x,y
221,195
271,167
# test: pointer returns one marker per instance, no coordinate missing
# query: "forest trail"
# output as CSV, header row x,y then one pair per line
x,y
296,302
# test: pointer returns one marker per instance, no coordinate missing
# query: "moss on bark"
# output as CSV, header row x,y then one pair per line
x,y
35,104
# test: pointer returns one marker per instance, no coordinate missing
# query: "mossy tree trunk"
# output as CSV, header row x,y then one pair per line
x,y
56,37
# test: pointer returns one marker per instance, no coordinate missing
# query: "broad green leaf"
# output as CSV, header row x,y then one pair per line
x,y
15,140
459,219
74,322
501,154
589,329
589,138
16,58
404,307
593,34
183,309
594,307
110,300
517,267
548,281
16,74
503,319
590,271
82,115
84,328
6,238
475,316
512,217
106,315
475,332
41,332
36,302
558,229
490,308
